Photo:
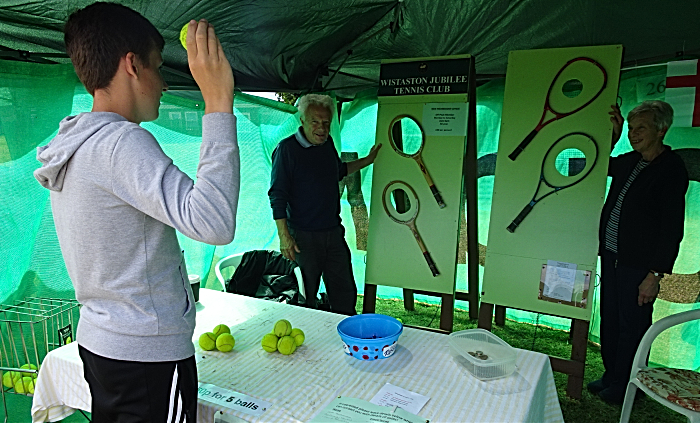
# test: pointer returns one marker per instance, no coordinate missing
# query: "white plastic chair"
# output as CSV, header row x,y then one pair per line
x,y
643,377
235,260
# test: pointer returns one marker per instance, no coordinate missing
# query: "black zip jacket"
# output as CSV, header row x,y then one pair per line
x,y
653,211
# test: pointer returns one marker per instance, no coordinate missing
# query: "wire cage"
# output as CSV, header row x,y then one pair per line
x,y
29,329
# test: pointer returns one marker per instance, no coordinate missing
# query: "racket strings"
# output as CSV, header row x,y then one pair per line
x,y
563,158
570,165
571,88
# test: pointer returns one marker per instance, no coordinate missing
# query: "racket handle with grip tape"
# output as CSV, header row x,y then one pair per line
x,y
431,263
516,222
437,196
519,149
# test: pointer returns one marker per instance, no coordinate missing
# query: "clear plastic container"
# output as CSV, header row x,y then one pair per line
x,y
482,353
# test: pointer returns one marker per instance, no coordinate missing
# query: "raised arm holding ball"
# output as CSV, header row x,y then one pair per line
x,y
117,201
209,67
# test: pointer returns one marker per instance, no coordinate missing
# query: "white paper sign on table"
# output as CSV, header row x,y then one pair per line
x,y
353,410
232,400
393,396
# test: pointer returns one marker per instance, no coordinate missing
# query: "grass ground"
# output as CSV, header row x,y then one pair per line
x,y
547,341
541,339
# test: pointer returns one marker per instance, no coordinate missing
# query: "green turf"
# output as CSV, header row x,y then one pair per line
x,y
547,341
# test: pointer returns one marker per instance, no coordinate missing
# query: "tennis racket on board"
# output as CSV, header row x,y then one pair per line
x,y
559,114
559,182
408,217
415,156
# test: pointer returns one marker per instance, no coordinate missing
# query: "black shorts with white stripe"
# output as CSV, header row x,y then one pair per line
x,y
134,391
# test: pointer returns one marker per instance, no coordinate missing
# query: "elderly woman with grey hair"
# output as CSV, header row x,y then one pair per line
x,y
641,227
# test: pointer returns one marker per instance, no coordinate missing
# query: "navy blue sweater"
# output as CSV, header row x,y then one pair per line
x,y
653,211
304,185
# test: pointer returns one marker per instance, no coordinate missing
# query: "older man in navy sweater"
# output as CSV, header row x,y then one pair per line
x,y
305,201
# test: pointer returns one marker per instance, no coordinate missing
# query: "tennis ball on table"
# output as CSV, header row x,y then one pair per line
x,y
269,342
286,345
221,329
298,336
183,35
207,341
225,342
282,328
25,385
9,378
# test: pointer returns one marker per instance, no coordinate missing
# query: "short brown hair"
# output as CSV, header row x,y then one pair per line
x,y
99,35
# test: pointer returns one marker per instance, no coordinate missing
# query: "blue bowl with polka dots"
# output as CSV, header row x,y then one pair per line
x,y
370,336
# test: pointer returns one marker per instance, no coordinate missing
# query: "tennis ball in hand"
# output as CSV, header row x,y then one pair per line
x,y
221,329
207,341
286,345
25,385
225,342
282,328
183,35
30,367
298,336
9,378
269,342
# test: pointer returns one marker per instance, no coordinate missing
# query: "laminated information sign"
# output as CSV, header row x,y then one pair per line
x,y
353,410
232,400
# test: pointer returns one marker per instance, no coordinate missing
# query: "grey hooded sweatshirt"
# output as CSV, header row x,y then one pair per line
x,y
117,200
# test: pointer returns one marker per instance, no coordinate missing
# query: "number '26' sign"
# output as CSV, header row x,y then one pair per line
x,y
651,87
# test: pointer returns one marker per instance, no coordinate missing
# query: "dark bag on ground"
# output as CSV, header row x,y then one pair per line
x,y
268,275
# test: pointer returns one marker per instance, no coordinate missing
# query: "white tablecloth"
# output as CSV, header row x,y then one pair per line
x,y
300,385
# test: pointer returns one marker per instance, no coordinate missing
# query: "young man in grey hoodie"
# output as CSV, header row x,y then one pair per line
x,y
117,201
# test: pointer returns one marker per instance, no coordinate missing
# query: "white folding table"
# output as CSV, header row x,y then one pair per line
x,y
300,385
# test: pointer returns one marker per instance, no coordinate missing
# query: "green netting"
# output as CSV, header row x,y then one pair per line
x,y
33,99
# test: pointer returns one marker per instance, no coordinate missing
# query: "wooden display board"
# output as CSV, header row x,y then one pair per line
x,y
545,261
561,231
432,96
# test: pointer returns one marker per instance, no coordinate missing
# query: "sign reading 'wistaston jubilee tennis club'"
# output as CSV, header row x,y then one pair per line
x,y
420,77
